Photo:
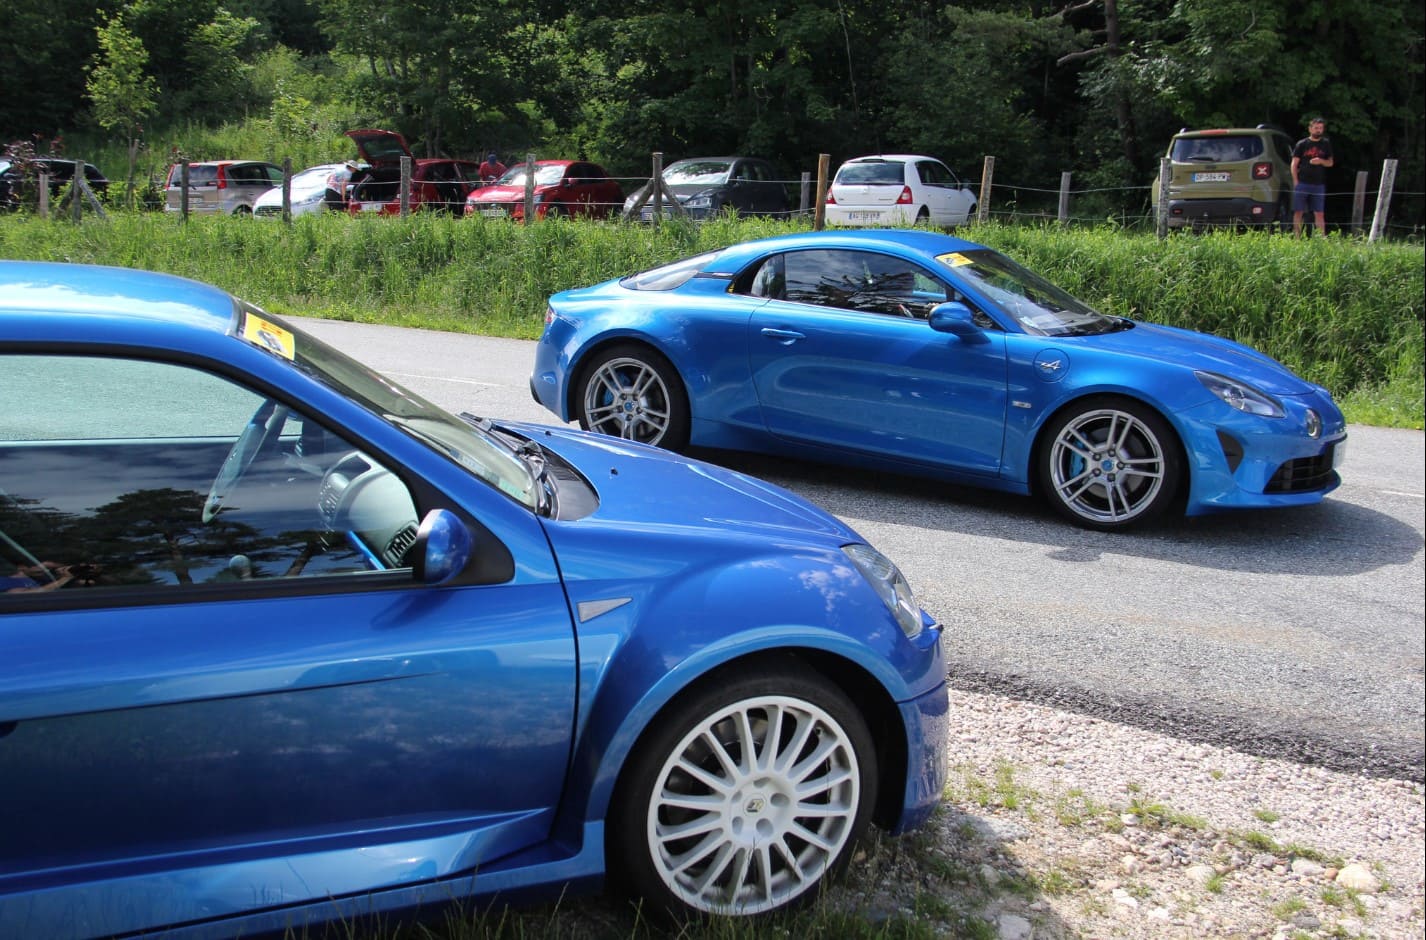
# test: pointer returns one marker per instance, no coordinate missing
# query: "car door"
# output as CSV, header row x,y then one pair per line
x,y
950,202
841,357
263,705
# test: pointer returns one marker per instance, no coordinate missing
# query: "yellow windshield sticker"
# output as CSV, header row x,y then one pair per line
x,y
269,336
953,260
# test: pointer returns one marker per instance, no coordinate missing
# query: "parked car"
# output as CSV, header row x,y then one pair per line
x,y
1229,176
438,184
562,187
285,643
915,352
897,189
221,187
315,189
60,170
705,186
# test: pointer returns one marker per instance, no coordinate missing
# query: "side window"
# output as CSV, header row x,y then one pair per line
x,y
769,281
142,475
862,280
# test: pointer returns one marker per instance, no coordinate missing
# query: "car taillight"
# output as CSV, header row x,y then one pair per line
x,y
222,177
831,200
549,315
1262,171
905,198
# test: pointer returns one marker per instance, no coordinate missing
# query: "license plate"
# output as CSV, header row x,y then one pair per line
x,y
371,206
1211,177
1339,453
493,213
863,216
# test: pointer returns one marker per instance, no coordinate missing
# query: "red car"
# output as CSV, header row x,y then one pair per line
x,y
437,183
562,187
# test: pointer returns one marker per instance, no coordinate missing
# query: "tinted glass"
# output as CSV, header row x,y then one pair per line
x,y
113,479
669,276
1223,149
873,172
860,280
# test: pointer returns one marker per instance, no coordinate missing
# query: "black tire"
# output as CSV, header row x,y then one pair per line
x,y
749,842
1109,463
631,391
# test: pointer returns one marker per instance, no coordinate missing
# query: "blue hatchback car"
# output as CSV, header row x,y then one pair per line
x,y
914,352
284,643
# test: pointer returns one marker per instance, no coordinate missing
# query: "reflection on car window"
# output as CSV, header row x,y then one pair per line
x,y
861,280
669,276
114,481
875,172
1031,301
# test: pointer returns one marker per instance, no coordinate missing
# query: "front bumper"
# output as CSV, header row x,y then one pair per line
x,y
928,723
1242,461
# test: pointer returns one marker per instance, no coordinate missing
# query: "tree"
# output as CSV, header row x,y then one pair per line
x,y
123,96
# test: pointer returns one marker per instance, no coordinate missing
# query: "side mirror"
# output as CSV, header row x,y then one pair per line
x,y
956,318
443,547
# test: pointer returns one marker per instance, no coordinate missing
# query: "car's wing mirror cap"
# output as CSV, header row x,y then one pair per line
x,y
954,317
443,547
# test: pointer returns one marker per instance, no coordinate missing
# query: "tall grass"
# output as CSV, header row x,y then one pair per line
x,y
1336,310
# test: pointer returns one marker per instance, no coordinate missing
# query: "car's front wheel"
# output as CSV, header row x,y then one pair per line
x,y
633,392
1110,463
745,798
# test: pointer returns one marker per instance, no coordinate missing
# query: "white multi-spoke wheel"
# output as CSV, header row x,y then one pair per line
x,y
747,798
1110,463
632,392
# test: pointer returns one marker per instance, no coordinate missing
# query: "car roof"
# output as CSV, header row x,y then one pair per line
x,y
41,299
908,242
892,156
1219,131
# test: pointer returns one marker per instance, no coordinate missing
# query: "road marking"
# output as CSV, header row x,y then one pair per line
x,y
444,378
1407,495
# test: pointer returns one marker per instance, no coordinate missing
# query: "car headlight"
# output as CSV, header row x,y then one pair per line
x,y
1240,395
890,585
309,199
699,201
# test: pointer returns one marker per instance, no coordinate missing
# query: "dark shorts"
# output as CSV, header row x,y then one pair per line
x,y
1309,196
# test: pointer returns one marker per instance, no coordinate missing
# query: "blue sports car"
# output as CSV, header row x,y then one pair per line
x,y
915,352
284,643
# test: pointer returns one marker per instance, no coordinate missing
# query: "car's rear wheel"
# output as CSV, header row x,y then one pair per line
x,y
1110,463
746,797
633,392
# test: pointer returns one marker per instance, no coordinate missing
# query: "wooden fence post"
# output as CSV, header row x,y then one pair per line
x,y
43,195
405,187
1383,199
805,194
1359,200
529,188
183,178
987,174
286,190
656,179
819,212
1161,218
1064,197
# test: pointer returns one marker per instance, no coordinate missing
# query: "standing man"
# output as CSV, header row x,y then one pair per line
x,y
1310,160
491,169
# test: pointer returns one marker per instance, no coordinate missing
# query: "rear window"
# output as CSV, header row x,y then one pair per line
x,y
1224,149
891,172
198,175
669,276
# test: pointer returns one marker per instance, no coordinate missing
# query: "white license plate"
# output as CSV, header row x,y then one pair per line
x,y
1211,177
1339,453
371,206
863,216
493,213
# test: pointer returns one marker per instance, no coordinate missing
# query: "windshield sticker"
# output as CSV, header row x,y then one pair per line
x,y
269,336
954,260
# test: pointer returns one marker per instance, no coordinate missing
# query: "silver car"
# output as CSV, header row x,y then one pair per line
x,y
227,187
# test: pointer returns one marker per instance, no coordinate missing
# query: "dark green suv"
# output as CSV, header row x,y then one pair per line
x,y
1230,176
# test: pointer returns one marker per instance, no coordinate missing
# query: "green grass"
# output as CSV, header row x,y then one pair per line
x,y
1338,311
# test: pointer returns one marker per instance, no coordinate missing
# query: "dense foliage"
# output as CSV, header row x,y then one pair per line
x,y
1094,87
1340,311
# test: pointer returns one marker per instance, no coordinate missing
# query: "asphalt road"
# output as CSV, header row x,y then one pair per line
x,y
1287,633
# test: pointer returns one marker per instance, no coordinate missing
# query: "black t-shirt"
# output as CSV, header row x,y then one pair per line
x,y
1306,149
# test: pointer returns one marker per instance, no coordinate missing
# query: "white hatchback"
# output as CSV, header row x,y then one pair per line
x,y
897,189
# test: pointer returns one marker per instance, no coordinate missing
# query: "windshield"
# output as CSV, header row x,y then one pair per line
x,y
697,172
461,442
1037,305
544,176
313,179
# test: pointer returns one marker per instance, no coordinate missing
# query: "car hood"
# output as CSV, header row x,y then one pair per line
x,y
686,191
1206,353
645,487
501,193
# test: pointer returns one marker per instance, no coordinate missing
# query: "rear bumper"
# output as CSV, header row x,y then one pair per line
x,y
1239,211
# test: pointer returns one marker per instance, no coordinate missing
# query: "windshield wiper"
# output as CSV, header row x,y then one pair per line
x,y
531,454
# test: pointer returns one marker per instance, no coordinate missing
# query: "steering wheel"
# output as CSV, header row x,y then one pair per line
x,y
259,434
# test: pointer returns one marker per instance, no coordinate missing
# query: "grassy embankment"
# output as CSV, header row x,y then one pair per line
x,y
1337,310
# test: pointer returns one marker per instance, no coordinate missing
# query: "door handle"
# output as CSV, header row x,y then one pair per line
x,y
784,337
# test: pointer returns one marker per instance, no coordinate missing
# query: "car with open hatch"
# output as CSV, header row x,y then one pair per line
x,y
438,184
915,352
285,643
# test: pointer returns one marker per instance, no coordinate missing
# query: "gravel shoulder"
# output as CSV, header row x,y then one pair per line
x,y
1061,825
